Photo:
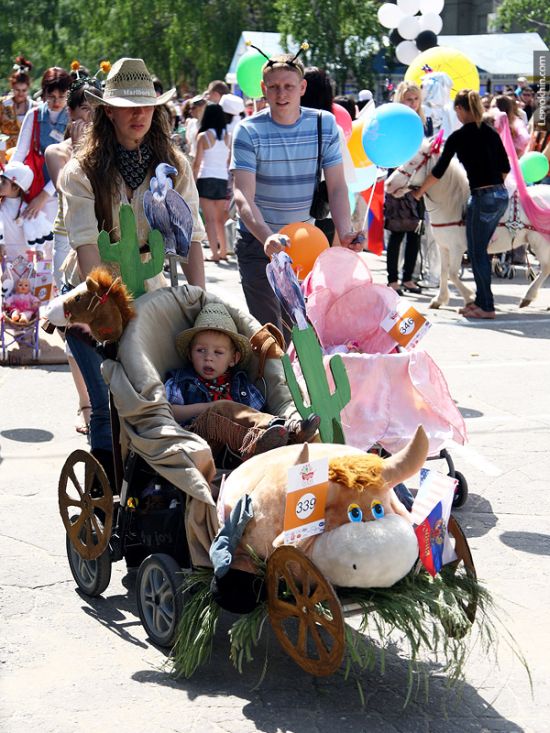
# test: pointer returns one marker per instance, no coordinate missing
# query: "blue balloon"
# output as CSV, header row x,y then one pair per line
x,y
392,135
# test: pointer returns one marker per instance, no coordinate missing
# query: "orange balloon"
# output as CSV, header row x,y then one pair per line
x,y
306,244
355,145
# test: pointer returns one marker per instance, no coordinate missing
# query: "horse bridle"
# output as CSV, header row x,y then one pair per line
x,y
435,148
423,162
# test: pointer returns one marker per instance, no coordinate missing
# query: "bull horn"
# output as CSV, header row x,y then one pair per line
x,y
304,455
408,461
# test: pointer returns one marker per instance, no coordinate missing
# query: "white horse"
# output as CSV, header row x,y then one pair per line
x,y
446,205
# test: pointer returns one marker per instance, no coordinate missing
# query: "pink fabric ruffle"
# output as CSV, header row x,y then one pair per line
x,y
391,392
343,304
391,395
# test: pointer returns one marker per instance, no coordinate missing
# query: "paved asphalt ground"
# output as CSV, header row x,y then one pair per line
x,y
69,663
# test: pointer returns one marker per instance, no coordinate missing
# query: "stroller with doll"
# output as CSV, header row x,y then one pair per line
x,y
160,511
26,284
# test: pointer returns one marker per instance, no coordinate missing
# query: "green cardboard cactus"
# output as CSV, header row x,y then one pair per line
x,y
324,403
126,252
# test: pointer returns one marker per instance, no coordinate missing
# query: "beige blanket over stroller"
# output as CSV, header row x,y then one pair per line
x,y
146,353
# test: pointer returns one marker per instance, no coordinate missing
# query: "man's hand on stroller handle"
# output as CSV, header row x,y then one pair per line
x,y
354,241
276,243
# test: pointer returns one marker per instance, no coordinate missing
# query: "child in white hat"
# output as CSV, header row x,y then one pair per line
x,y
17,235
213,396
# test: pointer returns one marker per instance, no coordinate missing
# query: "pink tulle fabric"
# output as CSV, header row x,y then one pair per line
x,y
537,212
391,393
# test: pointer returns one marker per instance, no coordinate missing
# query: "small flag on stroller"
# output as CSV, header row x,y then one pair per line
x,y
430,512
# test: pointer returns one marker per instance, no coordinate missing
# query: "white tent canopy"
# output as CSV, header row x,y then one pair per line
x,y
499,54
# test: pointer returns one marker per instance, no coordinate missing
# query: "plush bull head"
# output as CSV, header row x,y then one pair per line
x,y
368,540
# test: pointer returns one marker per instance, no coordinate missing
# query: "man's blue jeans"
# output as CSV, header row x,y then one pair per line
x,y
89,362
485,208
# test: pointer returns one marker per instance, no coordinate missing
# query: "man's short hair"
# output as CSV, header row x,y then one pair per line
x,y
218,86
286,61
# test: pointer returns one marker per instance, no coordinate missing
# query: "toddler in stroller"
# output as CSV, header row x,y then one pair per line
x,y
213,396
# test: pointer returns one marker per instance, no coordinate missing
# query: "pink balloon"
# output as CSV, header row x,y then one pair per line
x,y
343,118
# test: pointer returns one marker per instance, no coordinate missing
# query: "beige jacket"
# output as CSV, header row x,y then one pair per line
x,y
79,211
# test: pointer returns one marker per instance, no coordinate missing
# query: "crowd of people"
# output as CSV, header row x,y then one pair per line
x,y
93,142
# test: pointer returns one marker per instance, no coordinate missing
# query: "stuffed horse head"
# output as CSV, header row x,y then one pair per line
x,y
105,306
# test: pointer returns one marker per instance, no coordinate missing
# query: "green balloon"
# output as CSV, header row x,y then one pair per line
x,y
534,167
249,74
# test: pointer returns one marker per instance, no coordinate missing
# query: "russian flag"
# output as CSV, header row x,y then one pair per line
x,y
375,218
431,537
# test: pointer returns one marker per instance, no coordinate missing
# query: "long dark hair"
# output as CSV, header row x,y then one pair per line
x,y
213,119
318,94
97,157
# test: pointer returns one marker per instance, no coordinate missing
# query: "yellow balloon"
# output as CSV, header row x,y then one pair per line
x,y
355,145
454,63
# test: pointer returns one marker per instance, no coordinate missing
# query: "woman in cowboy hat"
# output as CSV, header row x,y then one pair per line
x,y
127,139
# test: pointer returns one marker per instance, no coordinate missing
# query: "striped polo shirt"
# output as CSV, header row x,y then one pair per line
x,y
284,160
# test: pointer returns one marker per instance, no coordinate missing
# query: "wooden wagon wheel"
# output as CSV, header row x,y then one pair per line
x,y
465,560
88,536
300,599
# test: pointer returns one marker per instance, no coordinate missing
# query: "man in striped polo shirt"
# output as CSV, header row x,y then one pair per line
x,y
274,161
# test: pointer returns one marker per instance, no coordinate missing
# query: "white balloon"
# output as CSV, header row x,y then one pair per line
x,y
408,27
431,6
389,15
430,22
406,52
409,7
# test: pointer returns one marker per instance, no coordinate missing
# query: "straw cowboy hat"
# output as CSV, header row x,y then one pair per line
x,y
129,84
214,317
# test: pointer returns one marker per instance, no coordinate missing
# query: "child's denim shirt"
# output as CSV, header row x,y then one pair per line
x,y
183,387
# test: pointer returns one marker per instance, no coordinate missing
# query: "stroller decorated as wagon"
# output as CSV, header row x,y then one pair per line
x,y
162,512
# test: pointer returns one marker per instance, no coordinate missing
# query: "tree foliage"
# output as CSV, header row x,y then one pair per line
x,y
342,33
184,41
188,42
525,15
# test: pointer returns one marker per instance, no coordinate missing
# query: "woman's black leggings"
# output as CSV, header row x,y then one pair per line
x,y
412,246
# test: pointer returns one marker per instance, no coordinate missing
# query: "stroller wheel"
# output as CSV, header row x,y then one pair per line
x,y
159,597
91,576
461,491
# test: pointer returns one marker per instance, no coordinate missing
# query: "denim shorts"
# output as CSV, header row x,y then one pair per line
x,y
212,188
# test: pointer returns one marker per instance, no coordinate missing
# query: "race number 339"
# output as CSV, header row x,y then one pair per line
x,y
305,500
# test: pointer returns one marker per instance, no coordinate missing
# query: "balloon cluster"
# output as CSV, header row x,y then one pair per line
x,y
414,26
